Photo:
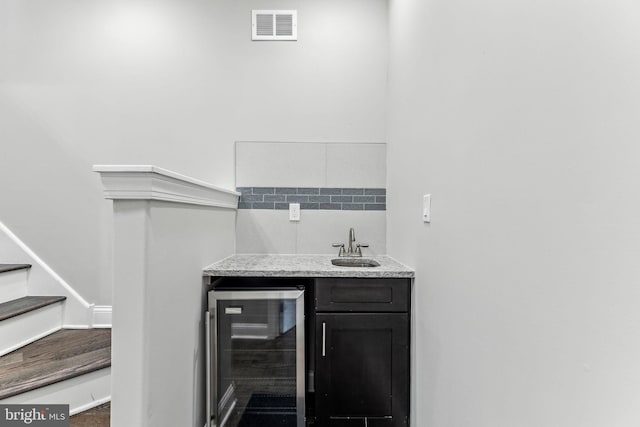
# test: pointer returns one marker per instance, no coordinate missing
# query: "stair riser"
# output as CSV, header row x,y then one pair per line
x,y
80,393
29,327
13,285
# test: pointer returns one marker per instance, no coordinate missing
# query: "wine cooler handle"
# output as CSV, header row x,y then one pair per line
x,y
324,339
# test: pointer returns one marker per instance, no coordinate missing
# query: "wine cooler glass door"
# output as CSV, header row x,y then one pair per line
x,y
257,363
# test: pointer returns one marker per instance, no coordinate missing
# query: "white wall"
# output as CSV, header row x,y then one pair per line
x,y
169,83
521,119
158,355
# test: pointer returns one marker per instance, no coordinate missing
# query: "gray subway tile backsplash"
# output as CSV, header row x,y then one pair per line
x,y
353,191
375,207
315,190
286,190
315,198
297,199
341,199
352,207
364,199
320,199
375,191
252,198
263,190
315,206
331,191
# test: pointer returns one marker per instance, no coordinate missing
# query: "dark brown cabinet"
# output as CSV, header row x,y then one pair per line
x,y
362,352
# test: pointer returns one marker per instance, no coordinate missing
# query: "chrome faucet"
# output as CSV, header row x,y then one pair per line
x,y
357,252
352,238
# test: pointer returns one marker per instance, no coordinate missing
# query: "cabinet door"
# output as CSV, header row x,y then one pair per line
x,y
362,369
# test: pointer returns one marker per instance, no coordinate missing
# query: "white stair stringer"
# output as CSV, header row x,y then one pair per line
x,y
28,327
13,284
80,393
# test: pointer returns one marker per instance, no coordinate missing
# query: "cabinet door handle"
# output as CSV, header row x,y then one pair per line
x,y
324,339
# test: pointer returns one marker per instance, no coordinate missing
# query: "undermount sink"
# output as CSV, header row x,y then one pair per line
x,y
355,262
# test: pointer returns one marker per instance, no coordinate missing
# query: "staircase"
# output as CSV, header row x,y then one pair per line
x,y
41,363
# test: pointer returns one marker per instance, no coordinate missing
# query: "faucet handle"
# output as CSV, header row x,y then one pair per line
x,y
359,247
341,246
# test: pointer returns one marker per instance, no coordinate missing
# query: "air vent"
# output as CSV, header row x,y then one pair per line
x,y
274,25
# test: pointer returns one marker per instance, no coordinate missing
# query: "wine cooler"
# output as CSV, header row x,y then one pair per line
x,y
255,358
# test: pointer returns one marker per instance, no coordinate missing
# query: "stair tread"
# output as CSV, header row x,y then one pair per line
x,y
23,305
63,355
11,267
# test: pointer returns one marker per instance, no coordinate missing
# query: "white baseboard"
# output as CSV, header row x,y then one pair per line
x,y
90,405
102,316
72,326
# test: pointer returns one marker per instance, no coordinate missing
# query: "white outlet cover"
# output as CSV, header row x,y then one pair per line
x,y
294,211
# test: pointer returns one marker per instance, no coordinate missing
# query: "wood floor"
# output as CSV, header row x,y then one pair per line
x,y
62,355
96,417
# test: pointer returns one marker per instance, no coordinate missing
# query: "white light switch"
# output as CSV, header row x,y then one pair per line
x,y
294,211
426,208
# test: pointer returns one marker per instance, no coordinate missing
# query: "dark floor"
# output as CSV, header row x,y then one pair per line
x,y
100,416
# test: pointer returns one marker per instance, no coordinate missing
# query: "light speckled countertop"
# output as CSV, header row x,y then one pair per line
x,y
303,266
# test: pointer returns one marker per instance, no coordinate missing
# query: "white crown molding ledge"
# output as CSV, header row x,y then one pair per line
x,y
148,182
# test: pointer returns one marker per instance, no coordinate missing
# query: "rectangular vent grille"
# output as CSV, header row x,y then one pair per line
x,y
284,25
264,25
274,25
